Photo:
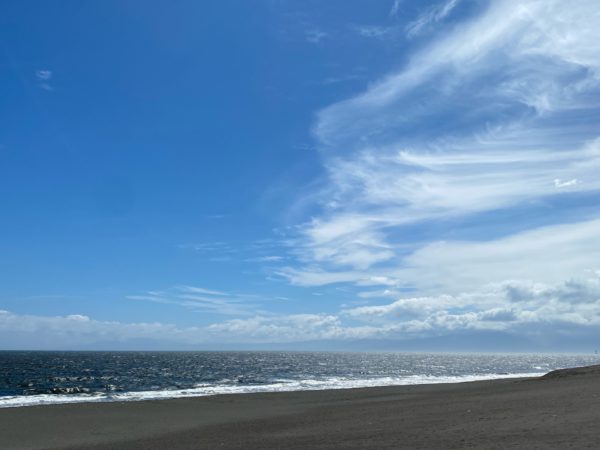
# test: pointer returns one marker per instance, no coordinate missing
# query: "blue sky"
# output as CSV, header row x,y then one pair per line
x,y
303,174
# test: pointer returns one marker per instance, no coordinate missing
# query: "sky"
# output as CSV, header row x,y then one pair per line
x,y
382,175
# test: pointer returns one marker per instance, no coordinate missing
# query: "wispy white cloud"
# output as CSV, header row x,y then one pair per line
x,y
542,254
208,247
267,258
563,184
199,290
259,250
375,31
314,276
395,9
315,36
498,113
43,77
433,14
459,70
343,79
203,300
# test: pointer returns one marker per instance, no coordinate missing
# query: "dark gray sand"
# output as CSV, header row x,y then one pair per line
x,y
558,411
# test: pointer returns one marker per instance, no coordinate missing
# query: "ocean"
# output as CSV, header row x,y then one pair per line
x,y
36,378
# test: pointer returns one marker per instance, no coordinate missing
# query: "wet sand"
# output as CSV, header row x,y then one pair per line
x,y
558,411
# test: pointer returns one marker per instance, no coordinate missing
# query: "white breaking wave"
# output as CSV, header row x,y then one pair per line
x,y
203,390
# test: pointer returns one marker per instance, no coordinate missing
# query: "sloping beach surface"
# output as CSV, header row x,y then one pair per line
x,y
560,410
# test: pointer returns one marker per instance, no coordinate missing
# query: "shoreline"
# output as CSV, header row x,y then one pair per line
x,y
26,401
557,410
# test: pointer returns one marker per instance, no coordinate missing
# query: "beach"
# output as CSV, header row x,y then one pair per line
x,y
561,410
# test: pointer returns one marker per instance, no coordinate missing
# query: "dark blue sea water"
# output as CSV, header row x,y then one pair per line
x,y
33,378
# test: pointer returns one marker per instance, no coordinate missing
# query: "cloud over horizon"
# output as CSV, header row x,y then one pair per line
x,y
526,309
